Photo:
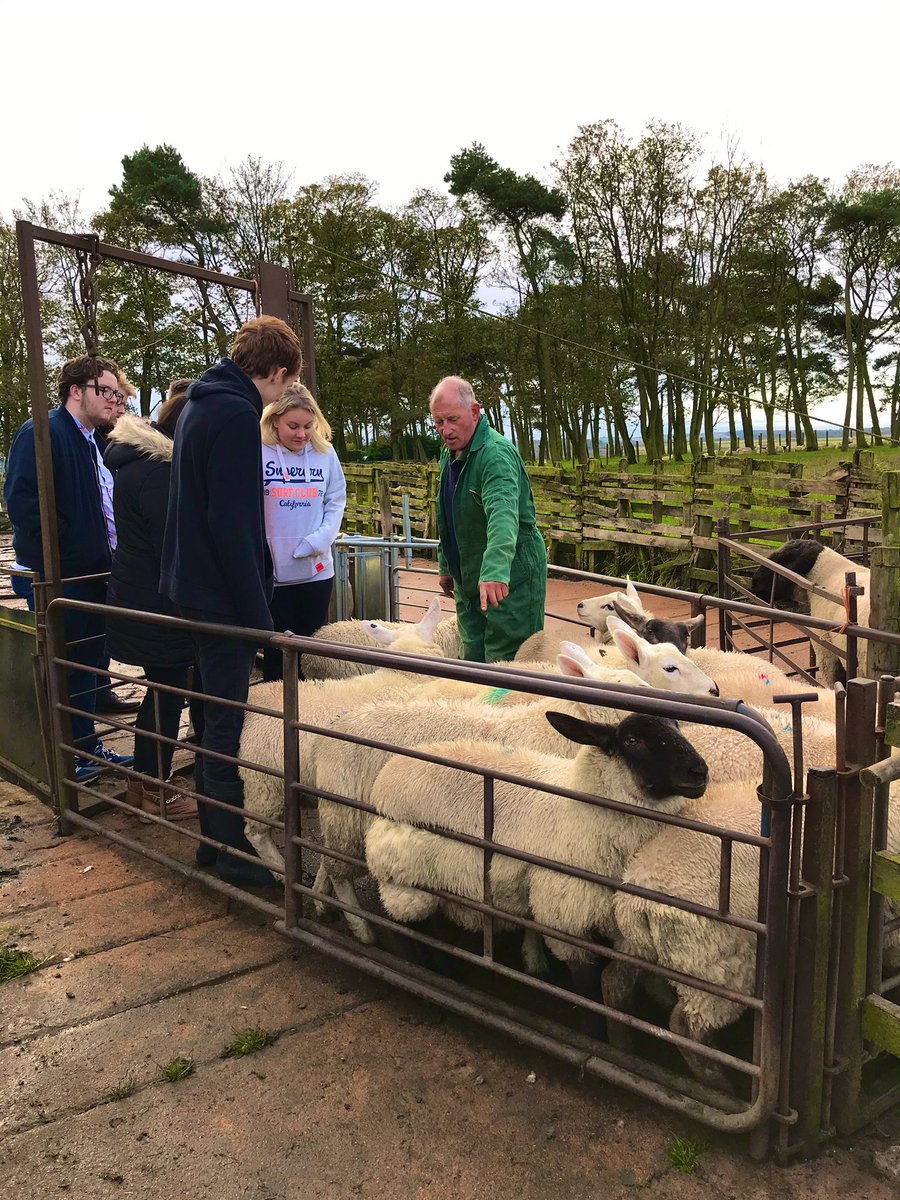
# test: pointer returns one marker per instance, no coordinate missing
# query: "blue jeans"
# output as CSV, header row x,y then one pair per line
x,y
86,631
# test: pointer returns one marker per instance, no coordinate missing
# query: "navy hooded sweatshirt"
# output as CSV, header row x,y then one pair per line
x,y
215,557
83,541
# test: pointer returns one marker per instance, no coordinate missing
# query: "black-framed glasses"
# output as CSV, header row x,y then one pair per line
x,y
107,393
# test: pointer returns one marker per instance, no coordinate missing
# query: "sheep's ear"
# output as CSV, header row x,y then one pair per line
x,y
585,733
571,666
625,613
626,640
378,633
694,623
631,592
429,622
578,653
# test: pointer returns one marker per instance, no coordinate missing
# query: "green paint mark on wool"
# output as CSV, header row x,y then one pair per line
x,y
494,696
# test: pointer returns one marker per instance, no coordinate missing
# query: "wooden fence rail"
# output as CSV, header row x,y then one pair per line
x,y
589,514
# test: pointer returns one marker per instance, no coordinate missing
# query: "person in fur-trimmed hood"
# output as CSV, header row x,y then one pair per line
x,y
140,456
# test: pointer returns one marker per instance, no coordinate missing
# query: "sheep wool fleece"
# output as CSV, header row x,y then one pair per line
x,y
496,539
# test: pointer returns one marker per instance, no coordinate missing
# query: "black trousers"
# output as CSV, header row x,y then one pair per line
x,y
303,609
224,665
152,757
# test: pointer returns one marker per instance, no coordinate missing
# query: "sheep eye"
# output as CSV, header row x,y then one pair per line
x,y
670,668
608,607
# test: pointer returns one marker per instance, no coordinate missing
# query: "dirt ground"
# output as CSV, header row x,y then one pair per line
x,y
365,1092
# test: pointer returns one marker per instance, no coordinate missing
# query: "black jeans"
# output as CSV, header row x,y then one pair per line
x,y
303,609
225,665
147,758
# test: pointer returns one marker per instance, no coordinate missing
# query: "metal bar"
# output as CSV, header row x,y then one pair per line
x,y
37,386
292,817
486,861
725,875
800,580
723,566
166,860
468,1003
810,527
861,710
812,995
81,241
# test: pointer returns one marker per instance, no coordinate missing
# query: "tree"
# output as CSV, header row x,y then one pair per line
x,y
527,213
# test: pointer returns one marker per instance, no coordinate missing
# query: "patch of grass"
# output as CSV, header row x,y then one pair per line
x,y
178,1068
15,963
684,1155
247,1042
121,1091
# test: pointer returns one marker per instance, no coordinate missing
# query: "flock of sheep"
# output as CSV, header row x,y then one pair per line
x,y
634,764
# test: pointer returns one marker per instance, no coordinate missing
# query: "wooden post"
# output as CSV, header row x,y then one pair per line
x,y
885,581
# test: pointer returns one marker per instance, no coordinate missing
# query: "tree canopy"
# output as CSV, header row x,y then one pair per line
x,y
630,299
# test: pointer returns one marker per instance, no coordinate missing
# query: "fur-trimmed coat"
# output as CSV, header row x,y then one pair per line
x,y
140,458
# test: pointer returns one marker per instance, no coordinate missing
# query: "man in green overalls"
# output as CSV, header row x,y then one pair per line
x,y
491,556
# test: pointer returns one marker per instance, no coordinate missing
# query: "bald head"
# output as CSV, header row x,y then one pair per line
x,y
455,412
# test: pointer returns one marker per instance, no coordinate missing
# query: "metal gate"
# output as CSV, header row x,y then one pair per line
x,y
805,1060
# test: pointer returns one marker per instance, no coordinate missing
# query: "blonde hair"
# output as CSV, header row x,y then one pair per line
x,y
126,386
296,396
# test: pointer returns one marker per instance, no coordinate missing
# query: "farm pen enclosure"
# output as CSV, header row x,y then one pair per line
x,y
801,1060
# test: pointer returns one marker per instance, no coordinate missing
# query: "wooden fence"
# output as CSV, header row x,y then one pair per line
x,y
589,515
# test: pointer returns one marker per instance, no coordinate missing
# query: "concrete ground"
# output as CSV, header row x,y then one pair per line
x,y
365,1093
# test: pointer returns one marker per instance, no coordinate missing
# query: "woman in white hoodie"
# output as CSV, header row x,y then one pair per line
x,y
305,495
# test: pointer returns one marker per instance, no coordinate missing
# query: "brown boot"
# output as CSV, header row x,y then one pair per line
x,y
178,808
134,793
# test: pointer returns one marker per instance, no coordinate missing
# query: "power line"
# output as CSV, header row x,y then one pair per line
x,y
472,307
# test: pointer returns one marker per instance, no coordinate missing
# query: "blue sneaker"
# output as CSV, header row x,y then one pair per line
x,y
114,760
86,769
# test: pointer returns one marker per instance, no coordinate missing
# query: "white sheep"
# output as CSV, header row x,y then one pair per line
x,y
595,610
826,569
320,701
546,642
685,863
347,769
642,762
358,633
750,678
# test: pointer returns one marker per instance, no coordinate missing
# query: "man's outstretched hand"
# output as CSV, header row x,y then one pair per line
x,y
491,594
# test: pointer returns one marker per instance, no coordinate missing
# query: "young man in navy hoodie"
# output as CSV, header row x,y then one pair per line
x,y
215,562
88,390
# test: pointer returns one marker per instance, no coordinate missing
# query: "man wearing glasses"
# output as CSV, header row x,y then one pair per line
x,y
88,391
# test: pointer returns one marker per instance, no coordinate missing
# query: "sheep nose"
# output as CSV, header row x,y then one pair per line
x,y
714,690
580,608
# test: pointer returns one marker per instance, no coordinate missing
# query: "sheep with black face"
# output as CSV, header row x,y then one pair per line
x,y
642,762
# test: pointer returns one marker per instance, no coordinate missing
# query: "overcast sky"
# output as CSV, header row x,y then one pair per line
x,y
392,88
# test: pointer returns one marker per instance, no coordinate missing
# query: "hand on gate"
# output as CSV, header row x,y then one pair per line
x,y
445,583
492,593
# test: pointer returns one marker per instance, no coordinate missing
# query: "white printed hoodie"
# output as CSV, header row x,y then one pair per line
x,y
304,502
